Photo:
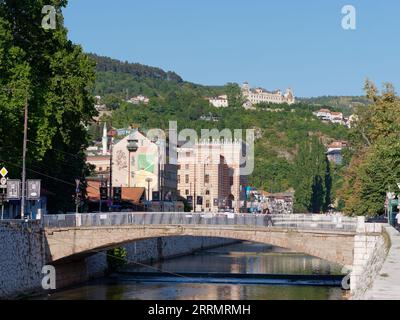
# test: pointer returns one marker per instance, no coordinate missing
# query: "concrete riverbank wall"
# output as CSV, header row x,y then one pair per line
x,y
371,246
381,277
23,255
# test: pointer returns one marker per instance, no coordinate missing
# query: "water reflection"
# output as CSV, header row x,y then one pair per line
x,y
239,258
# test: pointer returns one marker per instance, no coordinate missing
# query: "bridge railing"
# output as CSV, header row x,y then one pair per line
x,y
295,221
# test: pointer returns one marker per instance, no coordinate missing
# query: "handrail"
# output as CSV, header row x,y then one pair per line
x,y
293,221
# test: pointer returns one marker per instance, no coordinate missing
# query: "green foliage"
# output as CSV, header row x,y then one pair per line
x,y
116,258
234,93
311,178
374,167
55,76
282,133
345,104
138,71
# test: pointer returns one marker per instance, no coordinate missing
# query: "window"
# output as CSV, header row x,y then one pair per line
x,y
207,192
207,178
187,178
187,192
186,166
207,203
100,169
188,154
179,179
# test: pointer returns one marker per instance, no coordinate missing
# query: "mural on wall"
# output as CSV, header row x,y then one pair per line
x,y
146,162
121,160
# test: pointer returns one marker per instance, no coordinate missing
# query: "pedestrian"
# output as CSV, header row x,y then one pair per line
x,y
268,219
398,220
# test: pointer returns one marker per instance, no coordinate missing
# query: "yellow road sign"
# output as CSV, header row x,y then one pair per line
x,y
3,172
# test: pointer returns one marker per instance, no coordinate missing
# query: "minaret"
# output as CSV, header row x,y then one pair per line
x,y
105,139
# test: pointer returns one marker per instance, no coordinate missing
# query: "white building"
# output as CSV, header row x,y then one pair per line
x,y
144,166
324,114
327,115
140,99
220,101
259,95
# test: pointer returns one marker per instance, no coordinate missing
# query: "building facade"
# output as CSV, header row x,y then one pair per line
x,y
220,101
144,167
259,95
330,116
210,172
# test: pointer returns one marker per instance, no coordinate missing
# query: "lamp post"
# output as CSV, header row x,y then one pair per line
x,y
111,164
148,180
132,147
24,148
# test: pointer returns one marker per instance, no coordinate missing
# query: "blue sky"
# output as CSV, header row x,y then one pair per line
x,y
273,44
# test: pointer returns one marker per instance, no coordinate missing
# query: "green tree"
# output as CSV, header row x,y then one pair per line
x,y
56,76
374,167
312,181
234,94
116,258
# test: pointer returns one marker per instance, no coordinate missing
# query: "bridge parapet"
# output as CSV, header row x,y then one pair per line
x,y
310,222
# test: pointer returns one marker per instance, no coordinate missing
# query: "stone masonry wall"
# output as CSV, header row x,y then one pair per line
x,y
386,283
370,251
73,272
21,258
23,255
169,247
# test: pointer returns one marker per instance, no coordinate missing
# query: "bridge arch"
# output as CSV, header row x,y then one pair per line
x,y
66,243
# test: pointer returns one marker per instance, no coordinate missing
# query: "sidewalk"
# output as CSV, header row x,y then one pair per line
x,y
386,286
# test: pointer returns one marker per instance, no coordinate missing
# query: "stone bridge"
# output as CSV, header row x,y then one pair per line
x,y
327,237
351,242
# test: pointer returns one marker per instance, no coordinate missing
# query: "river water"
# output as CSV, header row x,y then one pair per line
x,y
241,258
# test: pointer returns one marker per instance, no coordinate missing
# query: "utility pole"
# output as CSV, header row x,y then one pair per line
x,y
24,158
111,164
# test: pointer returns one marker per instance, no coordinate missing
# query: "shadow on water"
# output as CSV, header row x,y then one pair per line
x,y
245,258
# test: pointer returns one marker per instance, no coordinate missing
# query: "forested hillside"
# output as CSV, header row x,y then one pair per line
x,y
118,80
345,104
290,149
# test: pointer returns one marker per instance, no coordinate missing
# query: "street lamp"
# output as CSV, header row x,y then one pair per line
x,y
148,180
24,148
132,147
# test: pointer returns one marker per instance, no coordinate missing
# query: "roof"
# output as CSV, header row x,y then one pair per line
x,y
325,110
98,158
128,194
133,194
277,195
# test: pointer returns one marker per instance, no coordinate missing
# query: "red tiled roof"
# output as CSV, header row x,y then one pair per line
x,y
133,194
128,194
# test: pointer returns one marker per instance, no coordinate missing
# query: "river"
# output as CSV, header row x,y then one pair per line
x,y
241,258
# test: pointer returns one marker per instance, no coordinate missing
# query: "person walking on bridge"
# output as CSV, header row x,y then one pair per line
x,y
398,221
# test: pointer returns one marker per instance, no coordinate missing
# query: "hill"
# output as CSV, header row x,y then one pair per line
x,y
119,80
283,131
344,104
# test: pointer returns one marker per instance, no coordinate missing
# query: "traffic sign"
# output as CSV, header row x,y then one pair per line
x,y
103,193
3,183
156,196
117,193
33,187
3,172
13,189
